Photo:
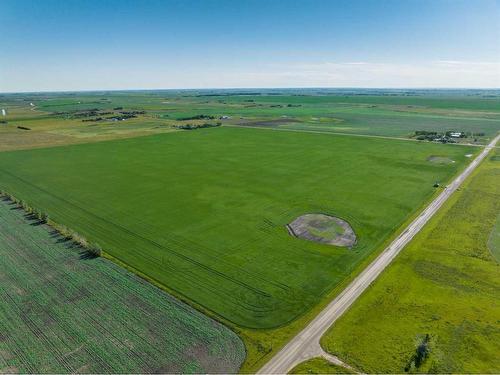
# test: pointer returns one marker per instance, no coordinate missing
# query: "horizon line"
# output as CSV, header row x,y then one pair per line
x,y
253,88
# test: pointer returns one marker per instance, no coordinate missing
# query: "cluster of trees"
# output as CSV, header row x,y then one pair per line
x,y
444,137
133,112
112,118
197,117
254,105
43,218
86,113
93,119
274,105
423,135
98,115
197,126
122,116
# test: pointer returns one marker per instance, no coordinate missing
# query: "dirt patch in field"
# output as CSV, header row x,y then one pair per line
x,y
269,123
6,355
324,229
9,370
440,159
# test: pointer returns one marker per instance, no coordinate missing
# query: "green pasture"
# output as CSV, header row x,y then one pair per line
x,y
62,311
445,284
494,240
204,212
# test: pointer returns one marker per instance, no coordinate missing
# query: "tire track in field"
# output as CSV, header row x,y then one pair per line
x,y
145,239
225,295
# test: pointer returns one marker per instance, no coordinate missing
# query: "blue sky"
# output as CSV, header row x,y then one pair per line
x,y
84,45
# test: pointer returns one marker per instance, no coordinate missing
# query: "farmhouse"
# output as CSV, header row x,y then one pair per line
x,y
455,134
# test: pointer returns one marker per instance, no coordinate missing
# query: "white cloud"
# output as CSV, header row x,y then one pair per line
x,y
434,74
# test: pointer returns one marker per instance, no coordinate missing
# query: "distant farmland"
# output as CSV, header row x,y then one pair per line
x,y
62,312
204,212
69,118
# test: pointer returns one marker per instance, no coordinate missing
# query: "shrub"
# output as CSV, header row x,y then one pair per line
x,y
421,353
95,250
78,239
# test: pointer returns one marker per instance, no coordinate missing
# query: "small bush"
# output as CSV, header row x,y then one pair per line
x,y
63,231
95,250
80,240
421,353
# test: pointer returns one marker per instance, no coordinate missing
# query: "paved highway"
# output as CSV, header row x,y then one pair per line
x,y
306,344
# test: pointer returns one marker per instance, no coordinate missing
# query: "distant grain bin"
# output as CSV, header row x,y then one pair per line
x,y
4,112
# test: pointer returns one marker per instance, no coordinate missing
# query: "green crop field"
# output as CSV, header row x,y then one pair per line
x,y
64,312
445,284
204,212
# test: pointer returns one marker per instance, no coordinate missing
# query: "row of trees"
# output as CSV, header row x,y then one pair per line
x,y
197,126
197,117
43,218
